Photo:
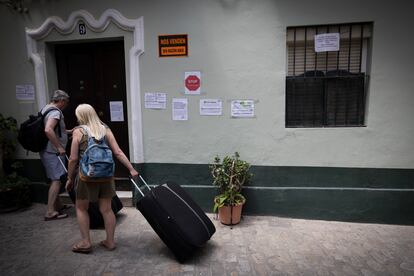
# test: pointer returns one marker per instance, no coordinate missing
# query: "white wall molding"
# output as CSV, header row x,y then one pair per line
x,y
136,26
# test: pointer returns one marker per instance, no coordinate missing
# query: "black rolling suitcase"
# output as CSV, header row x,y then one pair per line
x,y
180,223
95,216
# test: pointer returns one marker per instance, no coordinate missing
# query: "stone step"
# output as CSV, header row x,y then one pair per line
x,y
124,196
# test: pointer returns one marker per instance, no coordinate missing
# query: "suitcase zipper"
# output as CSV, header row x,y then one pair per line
x,y
195,213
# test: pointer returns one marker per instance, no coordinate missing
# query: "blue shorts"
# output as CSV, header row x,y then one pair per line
x,y
53,167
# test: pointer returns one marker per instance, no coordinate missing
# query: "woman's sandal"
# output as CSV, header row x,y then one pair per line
x,y
56,216
77,248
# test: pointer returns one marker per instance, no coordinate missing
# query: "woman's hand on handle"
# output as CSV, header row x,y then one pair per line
x,y
134,174
69,185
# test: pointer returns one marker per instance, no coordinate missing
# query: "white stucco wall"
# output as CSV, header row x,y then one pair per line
x,y
239,47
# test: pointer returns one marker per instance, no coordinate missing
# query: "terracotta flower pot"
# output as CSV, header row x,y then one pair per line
x,y
230,215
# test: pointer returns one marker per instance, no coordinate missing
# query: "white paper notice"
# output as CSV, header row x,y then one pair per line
x,y
211,107
179,109
117,111
242,108
25,92
155,100
327,42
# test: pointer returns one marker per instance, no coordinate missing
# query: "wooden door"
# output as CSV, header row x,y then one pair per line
x,y
94,73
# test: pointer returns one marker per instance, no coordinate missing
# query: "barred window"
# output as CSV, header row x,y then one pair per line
x,y
327,88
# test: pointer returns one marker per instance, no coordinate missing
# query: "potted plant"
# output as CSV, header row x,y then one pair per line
x,y
14,189
229,176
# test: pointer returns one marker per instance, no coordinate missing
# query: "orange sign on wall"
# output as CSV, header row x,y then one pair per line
x,y
173,45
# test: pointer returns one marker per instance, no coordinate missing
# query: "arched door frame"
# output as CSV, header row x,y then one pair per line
x,y
136,26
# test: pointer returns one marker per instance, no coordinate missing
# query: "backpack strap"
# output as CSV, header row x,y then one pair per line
x,y
60,118
86,129
89,136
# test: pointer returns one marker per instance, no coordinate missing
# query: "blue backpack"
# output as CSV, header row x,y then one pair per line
x,y
97,163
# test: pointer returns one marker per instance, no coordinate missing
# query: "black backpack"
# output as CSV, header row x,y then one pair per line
x,y
32,132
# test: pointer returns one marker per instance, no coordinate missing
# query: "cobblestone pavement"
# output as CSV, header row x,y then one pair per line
x,y
259,245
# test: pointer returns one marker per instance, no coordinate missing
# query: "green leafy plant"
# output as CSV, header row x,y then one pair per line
x,y
14,189
229,176
8,142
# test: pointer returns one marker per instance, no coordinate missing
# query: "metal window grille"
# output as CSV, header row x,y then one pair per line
x,y
327,89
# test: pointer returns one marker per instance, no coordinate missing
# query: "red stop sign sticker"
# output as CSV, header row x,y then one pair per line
x,y
192,83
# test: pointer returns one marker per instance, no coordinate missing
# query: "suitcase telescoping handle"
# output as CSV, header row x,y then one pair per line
x,y
138,188
61,162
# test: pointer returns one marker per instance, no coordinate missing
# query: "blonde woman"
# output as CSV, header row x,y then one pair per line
x,y
91,191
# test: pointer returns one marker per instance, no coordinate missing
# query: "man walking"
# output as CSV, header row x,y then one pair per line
x,y
56,132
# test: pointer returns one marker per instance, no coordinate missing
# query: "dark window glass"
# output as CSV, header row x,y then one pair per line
x,y
327,89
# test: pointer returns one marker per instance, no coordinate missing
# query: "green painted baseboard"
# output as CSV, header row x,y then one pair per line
x,y
347,194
